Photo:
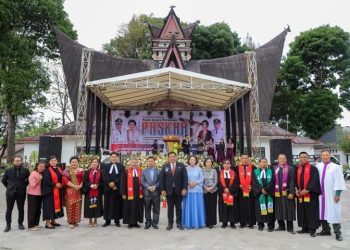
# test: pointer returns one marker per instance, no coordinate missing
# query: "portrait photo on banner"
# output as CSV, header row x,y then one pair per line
x,y
136,131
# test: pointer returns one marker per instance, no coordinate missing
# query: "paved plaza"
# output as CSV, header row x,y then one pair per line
x,y
112,237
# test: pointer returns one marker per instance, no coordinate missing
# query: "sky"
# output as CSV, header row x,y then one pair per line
x,y
97,21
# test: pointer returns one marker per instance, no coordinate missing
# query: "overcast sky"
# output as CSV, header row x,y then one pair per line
x,y
97,21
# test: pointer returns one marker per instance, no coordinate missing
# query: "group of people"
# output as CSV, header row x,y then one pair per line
x,y
244,195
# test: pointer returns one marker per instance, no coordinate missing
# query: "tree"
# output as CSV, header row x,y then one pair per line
x,y
59,102
343,140
216,40
133,39
316,64
27,34
32,127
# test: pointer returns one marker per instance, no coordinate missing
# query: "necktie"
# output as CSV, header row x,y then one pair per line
x,y
94,176
135,173
226,175
17,173
172,168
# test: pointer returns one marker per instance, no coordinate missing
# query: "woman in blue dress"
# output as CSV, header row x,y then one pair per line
x,y
193,215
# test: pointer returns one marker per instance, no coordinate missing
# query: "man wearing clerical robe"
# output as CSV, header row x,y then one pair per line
x,y
112,202
308,189
332,184
284,194
131,190
245,196
263,186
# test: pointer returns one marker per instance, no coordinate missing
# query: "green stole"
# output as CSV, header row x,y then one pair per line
x,y
262,197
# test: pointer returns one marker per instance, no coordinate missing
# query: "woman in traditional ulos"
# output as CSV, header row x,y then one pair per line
x,y
72,181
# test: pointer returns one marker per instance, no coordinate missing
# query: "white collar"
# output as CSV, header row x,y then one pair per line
x,y
115,168
263,173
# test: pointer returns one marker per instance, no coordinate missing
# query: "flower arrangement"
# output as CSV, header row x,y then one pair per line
x,y
85,160
254,161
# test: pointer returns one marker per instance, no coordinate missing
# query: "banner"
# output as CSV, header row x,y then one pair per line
x,y
139,130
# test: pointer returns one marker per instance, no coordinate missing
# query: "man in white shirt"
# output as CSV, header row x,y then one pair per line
x,y
332,184
119,134
217,133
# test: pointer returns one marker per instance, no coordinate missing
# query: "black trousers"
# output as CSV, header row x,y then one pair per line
x,y
10,202
270,225
34,210
152,204
327,228
282,225
174,200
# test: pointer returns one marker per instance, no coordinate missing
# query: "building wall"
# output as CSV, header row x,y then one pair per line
x,y
337,153
29,148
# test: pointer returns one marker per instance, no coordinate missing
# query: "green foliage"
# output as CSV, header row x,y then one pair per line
x,y
133,39
317,63
318,111
216,40
343,140
32,128
27,36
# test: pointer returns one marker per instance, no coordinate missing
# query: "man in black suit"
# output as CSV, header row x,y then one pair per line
x,y
113,202
173,183
15,180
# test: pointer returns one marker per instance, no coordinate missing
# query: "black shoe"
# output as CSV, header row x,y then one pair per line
x,y
210,227
56,224
339,238
260,228
147,226
50,227
324,233
106,224
302,231
270,230
169,227
280,229
155,226
117,224
129,226
313,234
291,231
179,226
251,227
233,226
224,225
241,226
21,227
137,226
7,228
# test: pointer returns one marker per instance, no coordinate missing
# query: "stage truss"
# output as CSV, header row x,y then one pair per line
x,y
254,103
80,128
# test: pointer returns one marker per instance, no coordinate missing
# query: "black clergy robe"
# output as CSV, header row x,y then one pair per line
x,y
228,213
48,198
132,209
308,212
113,202
97,211
284,207
246,205
257,192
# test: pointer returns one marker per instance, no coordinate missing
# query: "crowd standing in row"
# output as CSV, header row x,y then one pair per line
x,y
245,195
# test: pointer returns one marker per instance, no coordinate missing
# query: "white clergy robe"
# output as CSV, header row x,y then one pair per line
x,y
333,181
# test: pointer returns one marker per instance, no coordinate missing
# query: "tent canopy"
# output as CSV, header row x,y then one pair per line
x,y
132,91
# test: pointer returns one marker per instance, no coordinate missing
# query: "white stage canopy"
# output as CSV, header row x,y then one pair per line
x,y
134,90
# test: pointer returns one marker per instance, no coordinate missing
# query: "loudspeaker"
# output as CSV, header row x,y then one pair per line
x,y
281,146
49,145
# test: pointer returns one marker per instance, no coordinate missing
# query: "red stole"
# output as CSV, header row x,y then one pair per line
x,y
96,181
306,197
130,183
56,190
245,181
227,198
